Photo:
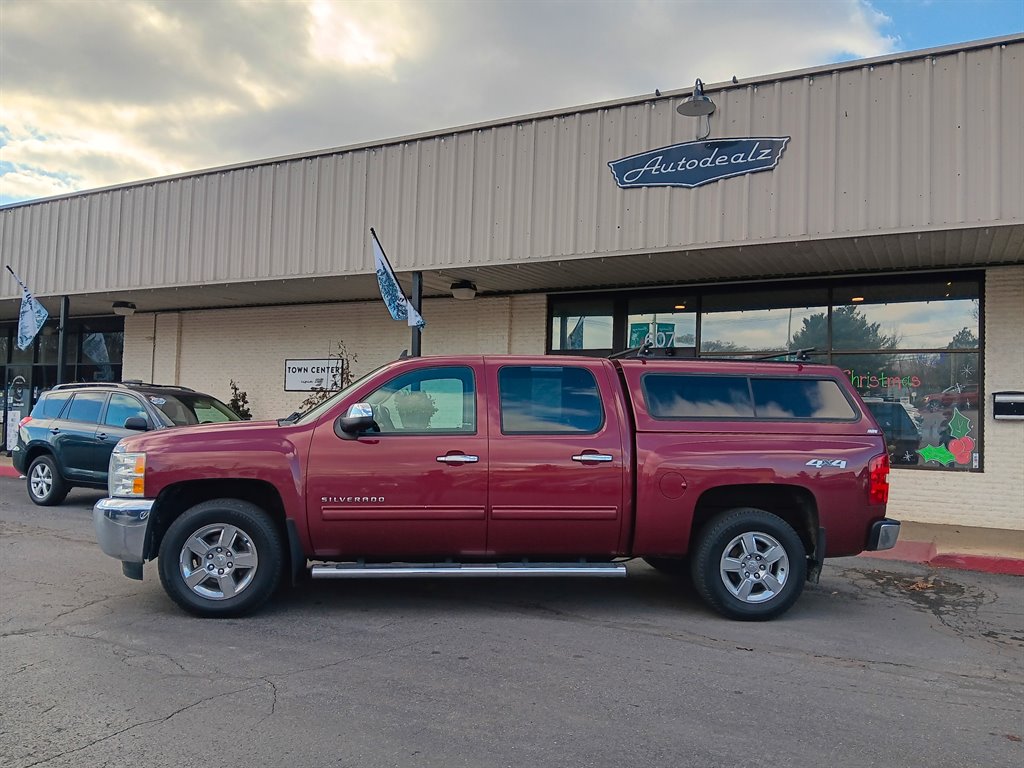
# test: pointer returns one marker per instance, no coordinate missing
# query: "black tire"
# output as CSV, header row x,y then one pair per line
x,y
219,532
750,537
676,567
45,485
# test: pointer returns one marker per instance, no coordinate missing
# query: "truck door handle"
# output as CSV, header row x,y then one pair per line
x,y
458,458
602,457
102,435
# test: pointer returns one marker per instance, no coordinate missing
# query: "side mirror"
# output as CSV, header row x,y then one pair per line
x,y
137,423
357,420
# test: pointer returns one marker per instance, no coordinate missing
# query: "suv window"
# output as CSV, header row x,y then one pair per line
x,y
549,399
86,406
184,408
50,406
121,408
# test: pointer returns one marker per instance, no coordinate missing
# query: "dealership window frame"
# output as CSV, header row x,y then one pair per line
x,y
40,363
818,294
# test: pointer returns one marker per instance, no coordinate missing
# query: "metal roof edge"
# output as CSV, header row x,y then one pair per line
x,y
890,58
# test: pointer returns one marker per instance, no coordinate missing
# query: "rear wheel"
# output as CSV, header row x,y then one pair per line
x,y
45,485
221,558
749,565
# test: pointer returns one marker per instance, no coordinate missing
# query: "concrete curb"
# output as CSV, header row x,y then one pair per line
x,y
925,553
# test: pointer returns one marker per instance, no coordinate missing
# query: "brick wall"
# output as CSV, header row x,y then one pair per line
x,y
206,349
993,498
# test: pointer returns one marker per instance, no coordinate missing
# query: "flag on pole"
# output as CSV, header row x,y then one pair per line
x,y
31,317
398,305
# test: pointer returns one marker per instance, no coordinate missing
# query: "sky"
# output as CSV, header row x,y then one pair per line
x,y
101,92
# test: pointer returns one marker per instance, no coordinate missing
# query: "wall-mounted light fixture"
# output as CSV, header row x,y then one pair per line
x,y
698,105
463,290
123,308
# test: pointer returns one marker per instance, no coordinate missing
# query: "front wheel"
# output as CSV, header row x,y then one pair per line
x,y
749,565
221,558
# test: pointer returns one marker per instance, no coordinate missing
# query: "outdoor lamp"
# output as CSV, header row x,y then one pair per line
x,y
463,290
124,308
698,105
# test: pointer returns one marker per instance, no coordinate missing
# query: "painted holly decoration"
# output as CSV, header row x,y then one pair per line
x,y
960,448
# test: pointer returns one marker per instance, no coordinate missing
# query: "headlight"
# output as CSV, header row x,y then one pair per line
x,y
127,474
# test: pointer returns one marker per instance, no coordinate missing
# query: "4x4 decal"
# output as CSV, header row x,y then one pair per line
x,y
819,463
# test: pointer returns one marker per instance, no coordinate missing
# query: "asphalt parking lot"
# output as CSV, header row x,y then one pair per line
x,y
881,664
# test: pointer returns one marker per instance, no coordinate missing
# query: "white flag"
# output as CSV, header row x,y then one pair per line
x,y
30,318
398,305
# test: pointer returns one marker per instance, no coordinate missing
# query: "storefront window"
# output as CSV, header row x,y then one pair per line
x,y
761,330
911,347
926,403
582,325
940,314
777,319
48,341
663,321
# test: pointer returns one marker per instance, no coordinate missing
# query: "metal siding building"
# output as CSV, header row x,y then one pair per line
x,y
925,149
904,164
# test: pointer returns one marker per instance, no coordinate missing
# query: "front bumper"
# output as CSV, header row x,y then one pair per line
x,y
884,534
121,526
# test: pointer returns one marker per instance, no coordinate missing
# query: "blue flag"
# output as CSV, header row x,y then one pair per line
x,y
398,305
30,318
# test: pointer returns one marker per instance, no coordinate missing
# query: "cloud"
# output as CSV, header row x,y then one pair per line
x,y
101,93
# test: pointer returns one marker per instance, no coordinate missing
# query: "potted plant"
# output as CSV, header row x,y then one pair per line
x,y
415,408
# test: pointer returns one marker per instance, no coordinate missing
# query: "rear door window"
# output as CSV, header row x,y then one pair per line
x,y
86,407
50,406
538,399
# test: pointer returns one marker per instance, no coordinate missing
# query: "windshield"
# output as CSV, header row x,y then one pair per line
x,y
314,413
184,408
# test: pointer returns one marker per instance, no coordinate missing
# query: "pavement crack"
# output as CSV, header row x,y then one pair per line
x,y
141,724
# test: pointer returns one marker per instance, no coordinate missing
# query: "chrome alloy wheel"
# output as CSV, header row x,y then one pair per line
x,y
40,480
754,567
218,561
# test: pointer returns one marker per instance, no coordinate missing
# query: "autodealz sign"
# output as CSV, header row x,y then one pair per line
x,y
698,162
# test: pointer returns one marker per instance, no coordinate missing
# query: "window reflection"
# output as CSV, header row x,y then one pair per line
x,y
764,330
582,324
937,391
664,321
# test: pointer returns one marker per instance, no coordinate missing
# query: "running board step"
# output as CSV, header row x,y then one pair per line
x,y
465,570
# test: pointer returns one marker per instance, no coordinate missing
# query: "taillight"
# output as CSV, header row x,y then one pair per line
x,y
24,421
878,479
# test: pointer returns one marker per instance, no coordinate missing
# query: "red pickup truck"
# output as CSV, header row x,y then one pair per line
x,y
745,474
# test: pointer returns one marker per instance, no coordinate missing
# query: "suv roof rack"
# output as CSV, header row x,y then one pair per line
x,y
126,384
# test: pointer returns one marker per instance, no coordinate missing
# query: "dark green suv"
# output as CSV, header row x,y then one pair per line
x,y
68,438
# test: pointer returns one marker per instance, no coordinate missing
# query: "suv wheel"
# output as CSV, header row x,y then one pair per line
x,y
45,485
221,558
749,565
